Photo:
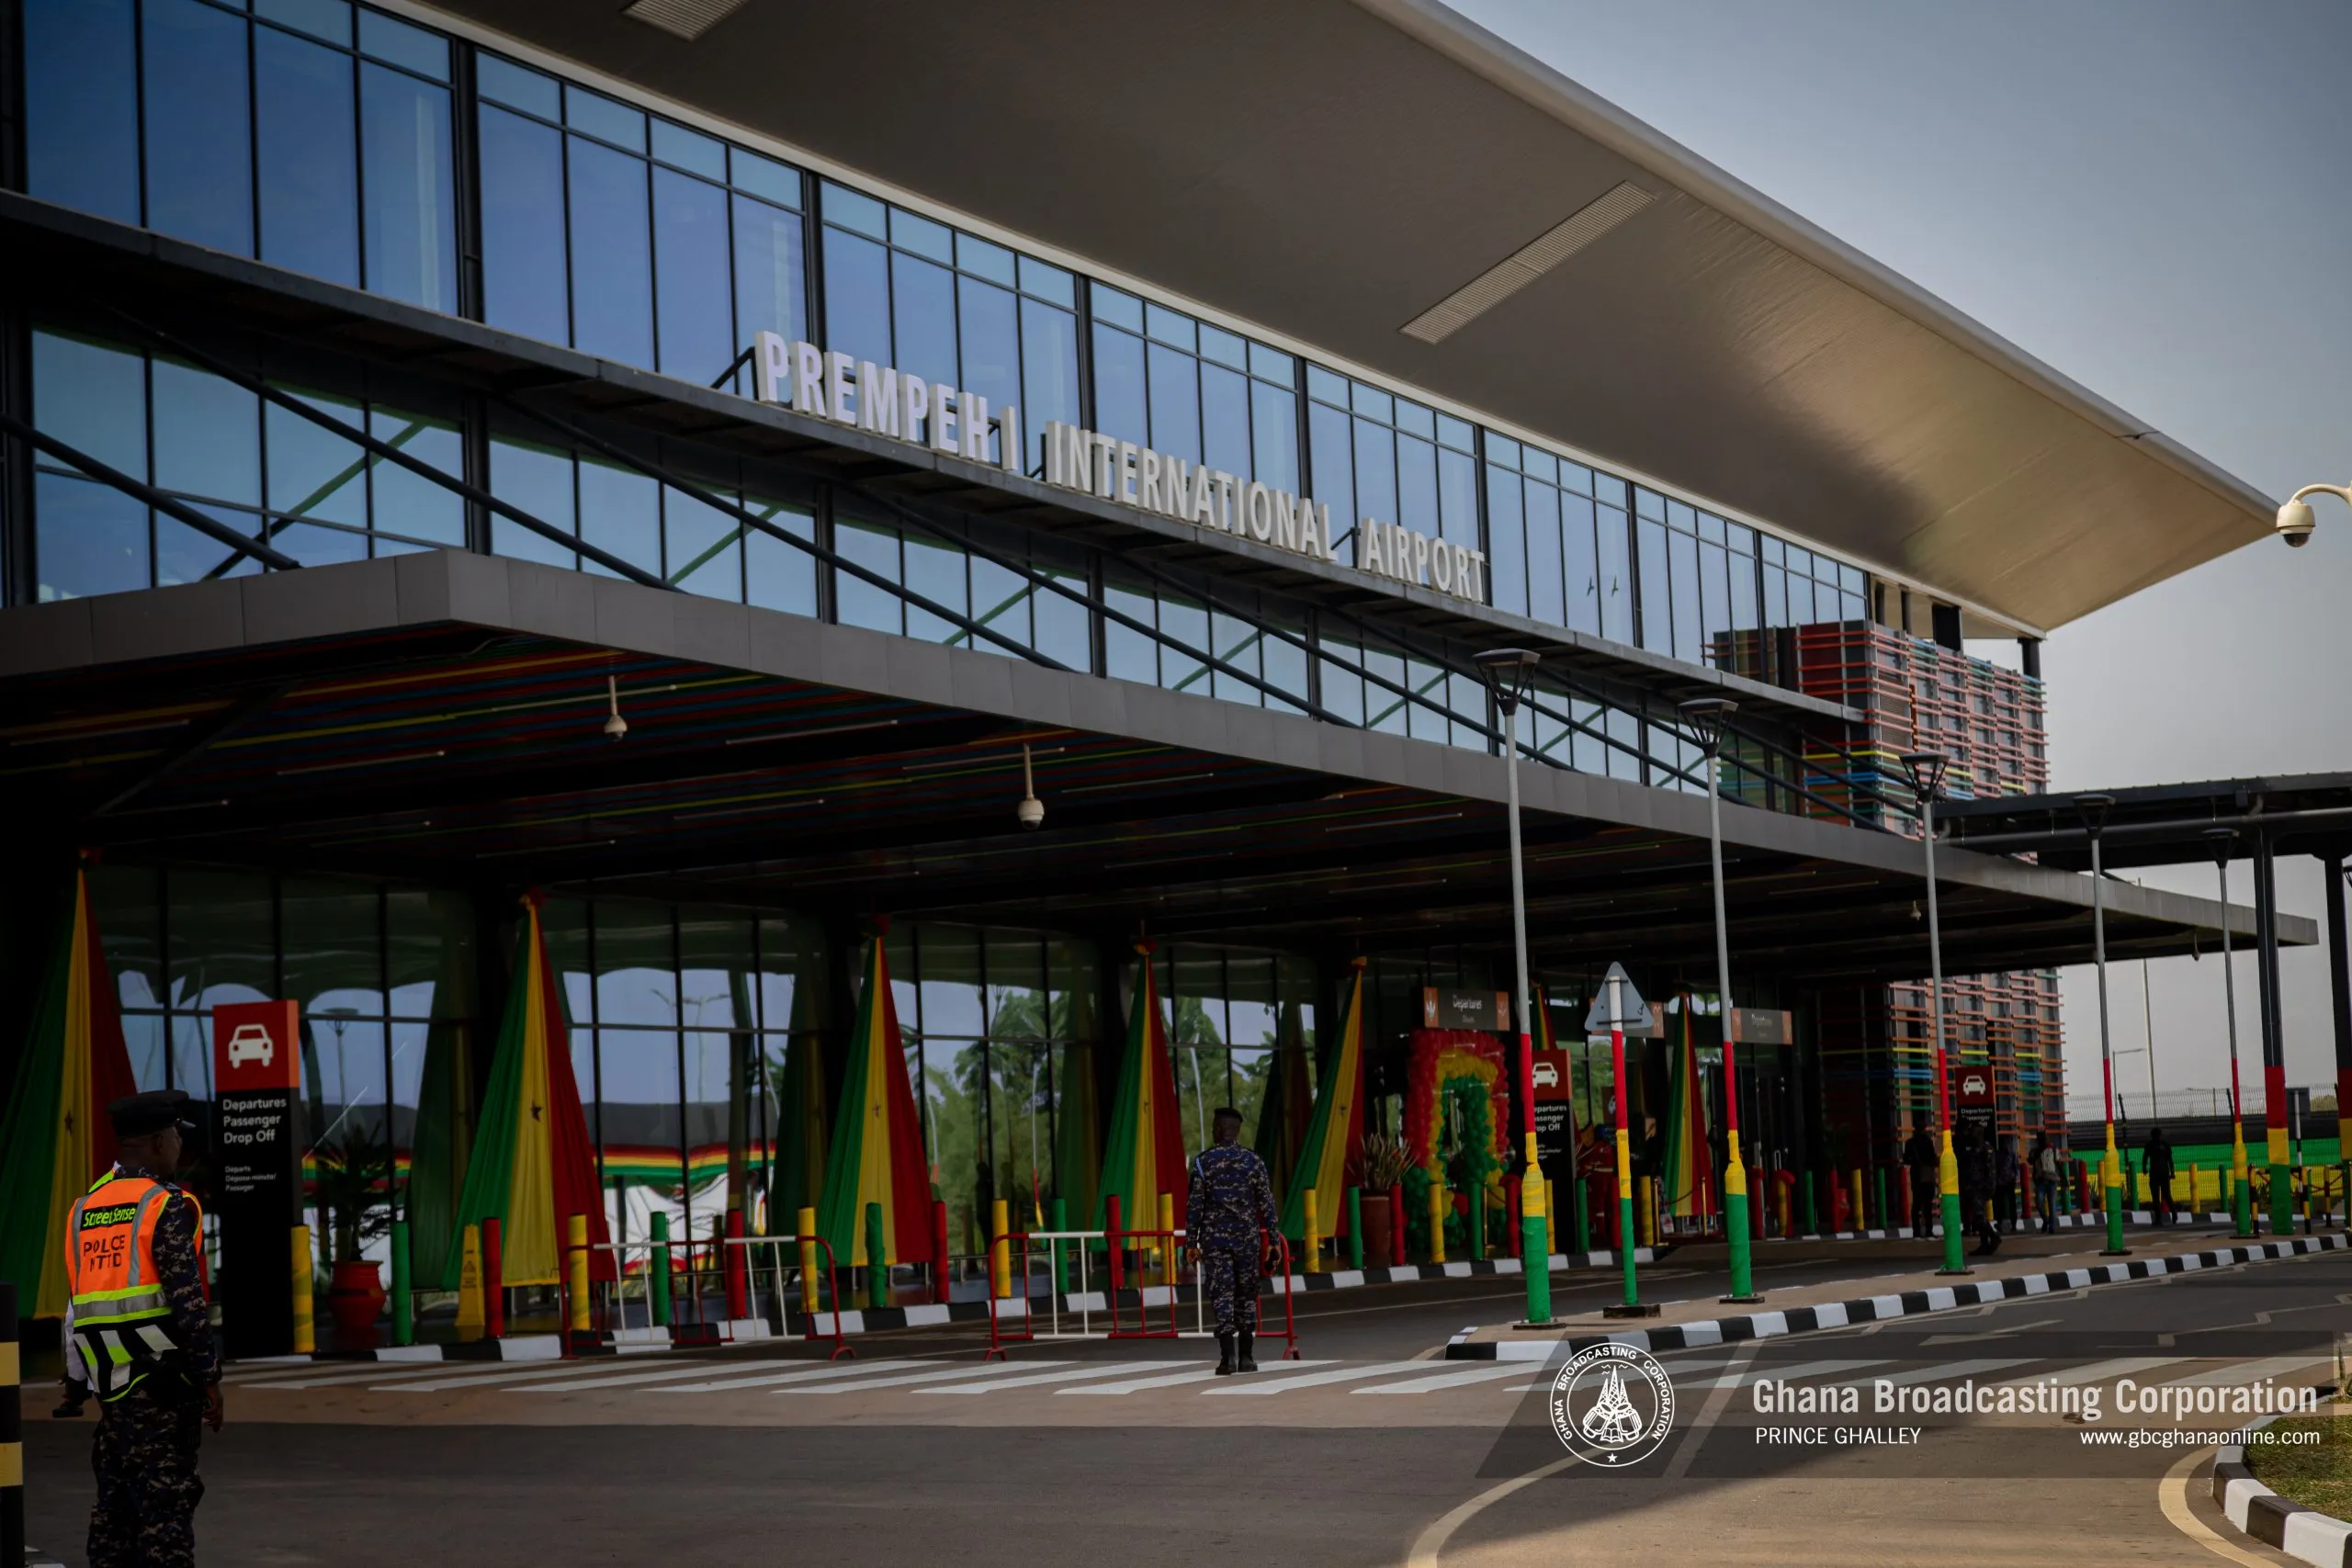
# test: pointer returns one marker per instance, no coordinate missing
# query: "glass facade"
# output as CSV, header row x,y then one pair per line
x,y
325,136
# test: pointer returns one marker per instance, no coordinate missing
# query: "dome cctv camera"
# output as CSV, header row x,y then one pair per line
x,y
2294,524
1030,812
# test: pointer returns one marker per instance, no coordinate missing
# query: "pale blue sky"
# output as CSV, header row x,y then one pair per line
x,y
2155,196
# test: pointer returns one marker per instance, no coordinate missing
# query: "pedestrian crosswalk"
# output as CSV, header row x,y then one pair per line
x,y
958,1377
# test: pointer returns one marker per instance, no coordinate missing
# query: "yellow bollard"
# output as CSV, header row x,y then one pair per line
x,y
1551,1221
1645,1212
1168,1225
812,1300
1313,1237
470,1323
1861,1214
306,1339
1000,1250
1437,1222
576,1272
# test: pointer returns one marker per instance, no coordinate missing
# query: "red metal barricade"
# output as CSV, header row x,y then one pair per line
x,y
1143,1328
832,1290
1290,1318
1016,1247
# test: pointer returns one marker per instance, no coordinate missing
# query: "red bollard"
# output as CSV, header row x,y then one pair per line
x,y
738,1286
938,1252
493,1287
1756,1208
1111,1243
1512,1226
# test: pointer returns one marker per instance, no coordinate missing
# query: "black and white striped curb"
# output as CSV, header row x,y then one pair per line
x,y
2306,1533
1873,1309
868,1320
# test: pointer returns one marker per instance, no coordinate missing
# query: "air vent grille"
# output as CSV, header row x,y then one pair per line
x,y
1525,265
688,19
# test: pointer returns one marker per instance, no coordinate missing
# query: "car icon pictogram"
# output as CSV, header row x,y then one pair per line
x,y
250,1043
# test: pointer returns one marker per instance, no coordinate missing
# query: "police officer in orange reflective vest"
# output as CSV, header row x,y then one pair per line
x,y
134,1247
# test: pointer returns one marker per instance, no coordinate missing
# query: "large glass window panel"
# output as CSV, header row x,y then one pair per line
x,y
697,329
1224,419
1000,602
1238,643
1544,600
621,512
1616,574
1188,622
612,259
640,1114
1064,626
690,151
1654,577
1682,551
636,964
713,970
857,296
332,956
1580,568
93,397
1508,572
397,42
1175,403
769,271
207,434
1417,485
309,155
1743,584
409,504
81,74
411,223
1048,375
701,547
775,575
313,472
1376,471
935,570
429,943
502,81
1128,654
523,268
923,317
199,152
988,322
183,555
1333,474
128,902
875,547
1285,667
1273,420
327,19
1119,407
1457,493
536,480
91,538
603,117
343,1077
953,1001
1715,593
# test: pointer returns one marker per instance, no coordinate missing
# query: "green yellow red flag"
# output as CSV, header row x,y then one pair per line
x,y
55,1138
1145,1154
876,1155
1335,1134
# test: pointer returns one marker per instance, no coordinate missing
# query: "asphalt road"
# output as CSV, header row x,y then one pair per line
x,y
728,1458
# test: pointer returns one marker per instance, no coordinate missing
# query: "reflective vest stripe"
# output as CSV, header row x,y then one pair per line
x,y
141,1232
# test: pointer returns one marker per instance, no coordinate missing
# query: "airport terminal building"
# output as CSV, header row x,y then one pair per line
x,y
709,462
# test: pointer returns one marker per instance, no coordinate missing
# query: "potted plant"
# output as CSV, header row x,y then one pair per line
x,y
354,1186
1383,1171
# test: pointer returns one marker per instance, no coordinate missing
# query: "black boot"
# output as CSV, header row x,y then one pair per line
x,y
1225,1355
1249,1361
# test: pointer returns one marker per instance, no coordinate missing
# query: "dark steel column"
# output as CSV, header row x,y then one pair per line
x,y
2339,978
2274,1041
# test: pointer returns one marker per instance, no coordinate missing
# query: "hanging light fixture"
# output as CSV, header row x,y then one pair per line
x,y
1030,812
614,725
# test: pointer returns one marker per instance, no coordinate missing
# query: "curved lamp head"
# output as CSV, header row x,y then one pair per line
x,y
2219,840
1926,771
2093,809
1704,717
1511,674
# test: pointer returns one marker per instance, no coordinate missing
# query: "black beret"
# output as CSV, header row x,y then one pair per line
x,y
140,1114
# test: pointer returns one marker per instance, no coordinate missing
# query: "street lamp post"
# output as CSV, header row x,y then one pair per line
x,y
1511,678
1705,717
1927,770
2093,809
2241,1192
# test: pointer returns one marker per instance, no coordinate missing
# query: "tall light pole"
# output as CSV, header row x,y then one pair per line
x,y
1705,717
1511,678
1927,770
2093,809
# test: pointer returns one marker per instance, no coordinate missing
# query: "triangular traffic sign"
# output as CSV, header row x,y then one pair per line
x,y
1631,1012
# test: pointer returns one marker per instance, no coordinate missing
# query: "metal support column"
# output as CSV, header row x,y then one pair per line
x,y
2274,1034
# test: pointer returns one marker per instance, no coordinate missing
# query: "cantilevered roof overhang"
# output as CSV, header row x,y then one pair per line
x,y
1330,170
441,717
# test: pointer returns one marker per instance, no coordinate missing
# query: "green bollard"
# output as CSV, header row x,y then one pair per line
x,y
1580,1201
1948,1184
1061,1259
657,1280
1878,1191
2111,1185
1805,1194
1476,1223
403,1307
1355,1228
877,1266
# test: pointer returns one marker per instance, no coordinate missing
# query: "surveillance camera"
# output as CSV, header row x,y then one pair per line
x,y
2294,524
1030,812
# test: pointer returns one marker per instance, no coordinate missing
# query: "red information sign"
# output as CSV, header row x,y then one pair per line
x,y
255,1045
1971,1087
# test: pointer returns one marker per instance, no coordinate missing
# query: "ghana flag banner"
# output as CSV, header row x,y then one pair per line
x,y
1335,1135
56,1139
877,1156
1686,1171
1145,1155
531,1168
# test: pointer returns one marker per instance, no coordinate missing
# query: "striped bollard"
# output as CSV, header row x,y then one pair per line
x,y
306,1337
1437,1222
12,1440
575,1273
1313,1259
805,1227
1000,1248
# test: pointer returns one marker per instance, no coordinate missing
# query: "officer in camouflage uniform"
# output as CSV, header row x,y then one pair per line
x,y
154,1404
1226,1220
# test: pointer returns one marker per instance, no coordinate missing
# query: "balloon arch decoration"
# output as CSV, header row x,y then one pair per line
x,y
1457,1120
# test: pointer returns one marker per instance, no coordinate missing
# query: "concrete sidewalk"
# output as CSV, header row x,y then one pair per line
x,y
2027,1265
